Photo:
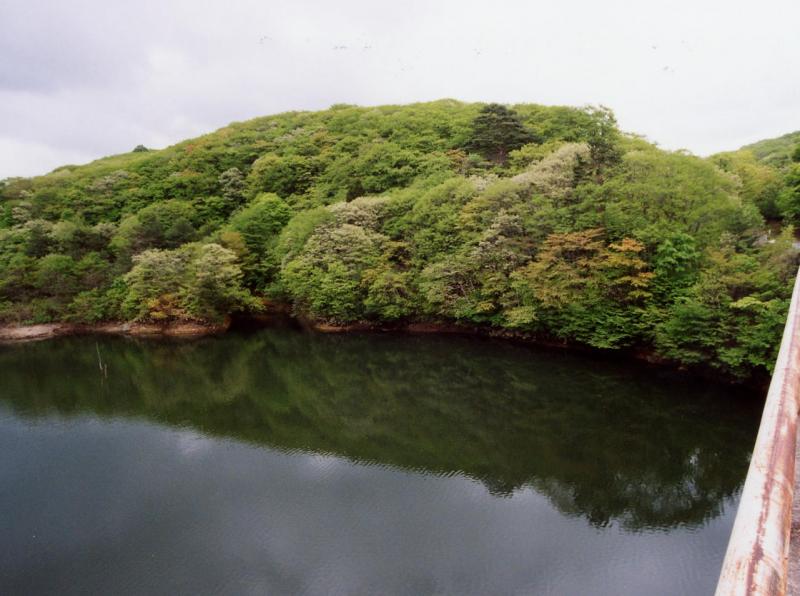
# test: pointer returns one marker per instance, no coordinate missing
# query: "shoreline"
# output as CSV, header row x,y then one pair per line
x,y
16,334
40,332
642,355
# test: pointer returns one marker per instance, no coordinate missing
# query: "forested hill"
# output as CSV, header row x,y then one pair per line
x,y
777,151
545,221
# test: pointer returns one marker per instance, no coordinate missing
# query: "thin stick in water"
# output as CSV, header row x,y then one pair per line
x,y
99,361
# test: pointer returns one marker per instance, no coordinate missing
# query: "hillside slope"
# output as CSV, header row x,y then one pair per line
x,y
775,152
541,221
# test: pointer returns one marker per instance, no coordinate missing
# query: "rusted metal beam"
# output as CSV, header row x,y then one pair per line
x,y
757,558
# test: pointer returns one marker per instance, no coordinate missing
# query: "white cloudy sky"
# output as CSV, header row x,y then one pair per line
x,y
84,78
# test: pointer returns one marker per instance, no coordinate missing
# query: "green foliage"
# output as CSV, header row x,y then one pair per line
x,y
430,219
676,264
166,224
261,220
736,310
55,276
377,167
231,183
294,236
6,217
585,288
653,193
496,131
757,183
289,176
259,224
333,274
776,152
603,138
789,199
214,284
539,220
196,281
96,305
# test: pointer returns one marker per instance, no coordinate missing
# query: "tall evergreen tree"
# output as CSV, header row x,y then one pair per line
x,y
497,130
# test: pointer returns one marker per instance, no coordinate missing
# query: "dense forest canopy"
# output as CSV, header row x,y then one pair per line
x,y
779,151
543,221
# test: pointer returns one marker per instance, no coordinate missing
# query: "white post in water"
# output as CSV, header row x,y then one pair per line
x,y
757,558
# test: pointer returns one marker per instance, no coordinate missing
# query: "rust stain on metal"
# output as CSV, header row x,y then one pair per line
x,y
757,559
781,456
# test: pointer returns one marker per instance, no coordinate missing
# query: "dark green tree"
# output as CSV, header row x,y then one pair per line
x,y
497,130
789,198
259,224
603,138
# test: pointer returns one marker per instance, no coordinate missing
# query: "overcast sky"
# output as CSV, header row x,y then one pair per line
x,y
80,79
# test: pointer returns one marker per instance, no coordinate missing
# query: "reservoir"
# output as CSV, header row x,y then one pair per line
x,y
280,461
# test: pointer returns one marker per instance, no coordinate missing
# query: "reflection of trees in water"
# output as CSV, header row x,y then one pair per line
x,y
600,440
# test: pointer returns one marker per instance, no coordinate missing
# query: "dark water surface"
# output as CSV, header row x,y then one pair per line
x,y
282,462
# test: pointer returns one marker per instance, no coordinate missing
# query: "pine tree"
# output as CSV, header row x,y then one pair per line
x,y
497,130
